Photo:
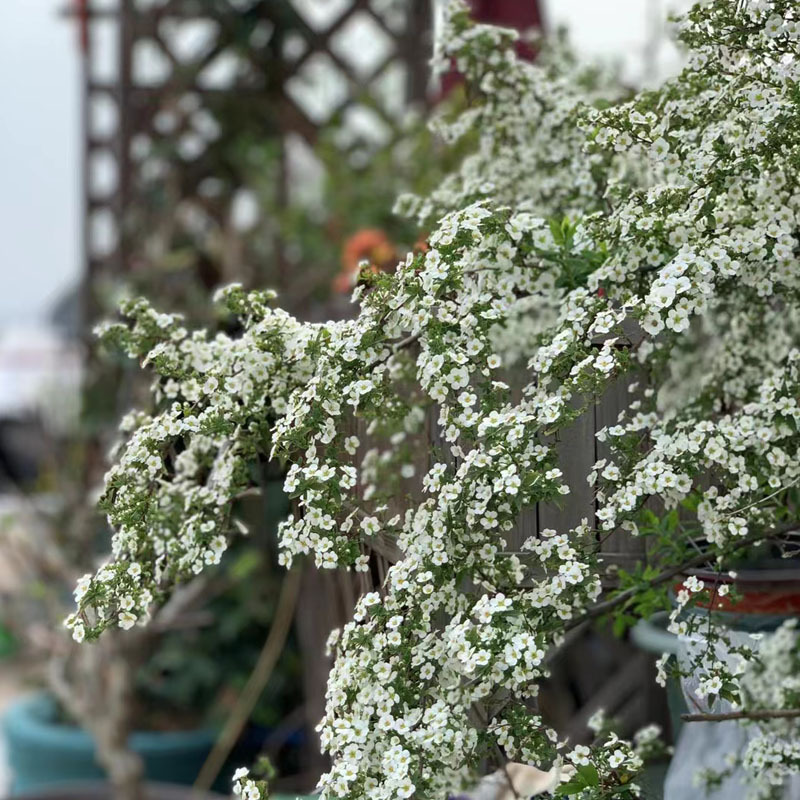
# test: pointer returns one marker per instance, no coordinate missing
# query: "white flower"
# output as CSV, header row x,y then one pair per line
x,y
126,620
659,149
653,324
458,377
250,791
370,525
738,526
597,721
82,587
580,755
605,362
711,686
363,387
326,472
616,758
774,26
351,444
661,295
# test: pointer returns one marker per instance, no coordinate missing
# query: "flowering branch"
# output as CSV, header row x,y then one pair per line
x,y
700,559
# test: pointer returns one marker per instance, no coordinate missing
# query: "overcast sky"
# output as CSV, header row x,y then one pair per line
x,y
39,157
40,133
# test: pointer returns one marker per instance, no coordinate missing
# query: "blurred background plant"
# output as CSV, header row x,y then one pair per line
x,y
184,674
307,243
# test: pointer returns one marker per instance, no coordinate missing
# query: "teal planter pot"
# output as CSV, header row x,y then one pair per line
x,y
102,791
44,752
652,636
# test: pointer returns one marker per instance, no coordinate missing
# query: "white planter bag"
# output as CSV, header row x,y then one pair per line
x,y
706,745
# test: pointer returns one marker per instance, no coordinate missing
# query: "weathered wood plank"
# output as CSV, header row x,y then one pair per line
x,y
527,526
618,546
328,599
617,690
575,459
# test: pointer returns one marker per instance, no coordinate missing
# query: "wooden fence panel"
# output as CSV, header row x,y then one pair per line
x,y
619,548
593,669
578,449
576,455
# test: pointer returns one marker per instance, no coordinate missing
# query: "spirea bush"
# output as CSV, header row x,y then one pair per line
x,y
589,236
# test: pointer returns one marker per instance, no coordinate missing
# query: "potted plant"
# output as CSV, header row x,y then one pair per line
x,y
661,234
148,705
94,689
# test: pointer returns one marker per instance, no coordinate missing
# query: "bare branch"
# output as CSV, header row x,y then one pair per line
x,y
782,713
600,609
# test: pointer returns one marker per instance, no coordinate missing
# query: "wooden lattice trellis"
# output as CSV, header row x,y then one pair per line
x,y
172,88
171,85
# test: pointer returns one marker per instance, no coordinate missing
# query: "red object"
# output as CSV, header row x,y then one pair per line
x,y
521,15
782,599
82,16
368,244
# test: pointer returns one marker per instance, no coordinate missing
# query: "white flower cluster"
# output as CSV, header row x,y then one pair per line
x,y
645,227
754,451
772,682
530,154
245,787
769,682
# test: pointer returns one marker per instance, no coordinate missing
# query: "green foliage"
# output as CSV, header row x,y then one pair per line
x,y
586,777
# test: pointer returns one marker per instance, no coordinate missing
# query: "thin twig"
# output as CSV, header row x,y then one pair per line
x,y
504,766
780,489
407,342
258,679
782,713
600,609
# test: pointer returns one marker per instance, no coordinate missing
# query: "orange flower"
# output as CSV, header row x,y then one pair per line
x,y
421,245
368,244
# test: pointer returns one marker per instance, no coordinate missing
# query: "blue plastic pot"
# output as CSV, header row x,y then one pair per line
x,y
44,752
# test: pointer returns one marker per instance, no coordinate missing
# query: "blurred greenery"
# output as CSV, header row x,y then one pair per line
x,y
183,239
196,674
297,240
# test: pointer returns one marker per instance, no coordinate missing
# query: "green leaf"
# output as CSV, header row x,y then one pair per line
x,y
691,502
588,773
245,565
649,518
727,694
671,520
555,229
621,623
585,778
